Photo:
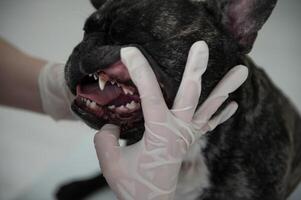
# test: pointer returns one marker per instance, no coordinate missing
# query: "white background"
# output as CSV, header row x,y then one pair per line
x,y
37,154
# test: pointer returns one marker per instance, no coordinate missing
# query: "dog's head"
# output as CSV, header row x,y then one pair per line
x,y
163,30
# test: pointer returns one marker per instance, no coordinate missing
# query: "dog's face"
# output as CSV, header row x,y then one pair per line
x,y
163,30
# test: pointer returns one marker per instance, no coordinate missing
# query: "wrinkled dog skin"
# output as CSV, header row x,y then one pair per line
x,y
256,154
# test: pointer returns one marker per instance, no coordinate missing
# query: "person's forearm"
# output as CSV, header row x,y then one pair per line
x,y
19,78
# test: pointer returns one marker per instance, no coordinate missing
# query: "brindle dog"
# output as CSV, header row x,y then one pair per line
x,y
254,155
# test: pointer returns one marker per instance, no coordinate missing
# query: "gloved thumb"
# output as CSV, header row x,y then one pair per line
x,y
106,144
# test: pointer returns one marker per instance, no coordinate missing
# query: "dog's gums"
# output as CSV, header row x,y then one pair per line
x,y
109,95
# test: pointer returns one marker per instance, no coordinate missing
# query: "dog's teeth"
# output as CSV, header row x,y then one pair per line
x,y
134,104
131,105
111,107
127,91
102,82
122,108
118,85
90,75
113,82
93,105
124,90
128,106
95,76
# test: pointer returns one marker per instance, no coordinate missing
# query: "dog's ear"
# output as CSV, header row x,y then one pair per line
x,y
97,3
242,18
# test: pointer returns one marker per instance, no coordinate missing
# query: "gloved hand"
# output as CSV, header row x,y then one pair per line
x,y
55,95
149,169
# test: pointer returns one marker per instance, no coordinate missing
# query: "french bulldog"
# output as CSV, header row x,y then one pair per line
x,y
253,156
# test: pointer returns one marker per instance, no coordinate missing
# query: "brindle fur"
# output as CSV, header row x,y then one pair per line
x,y
254,155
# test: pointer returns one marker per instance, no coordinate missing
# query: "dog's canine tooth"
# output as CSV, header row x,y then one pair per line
x,y
95,76
127,91
102,82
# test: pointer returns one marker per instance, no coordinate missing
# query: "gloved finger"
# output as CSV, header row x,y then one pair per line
x,y
190,89
152,101
231,81
222,117
106,144
55,95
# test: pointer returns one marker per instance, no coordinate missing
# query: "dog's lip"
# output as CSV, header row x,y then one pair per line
x,y
88,117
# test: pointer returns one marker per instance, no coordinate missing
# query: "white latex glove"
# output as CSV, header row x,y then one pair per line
x,y
149,169
55,95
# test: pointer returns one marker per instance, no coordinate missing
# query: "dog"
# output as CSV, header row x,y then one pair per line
x,y
253,156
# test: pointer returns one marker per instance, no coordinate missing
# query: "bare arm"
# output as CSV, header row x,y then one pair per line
x,y
19,78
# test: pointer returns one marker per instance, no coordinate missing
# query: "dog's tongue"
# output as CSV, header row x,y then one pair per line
x,y
92,92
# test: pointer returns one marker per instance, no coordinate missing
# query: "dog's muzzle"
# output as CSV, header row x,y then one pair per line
x,y
105,92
